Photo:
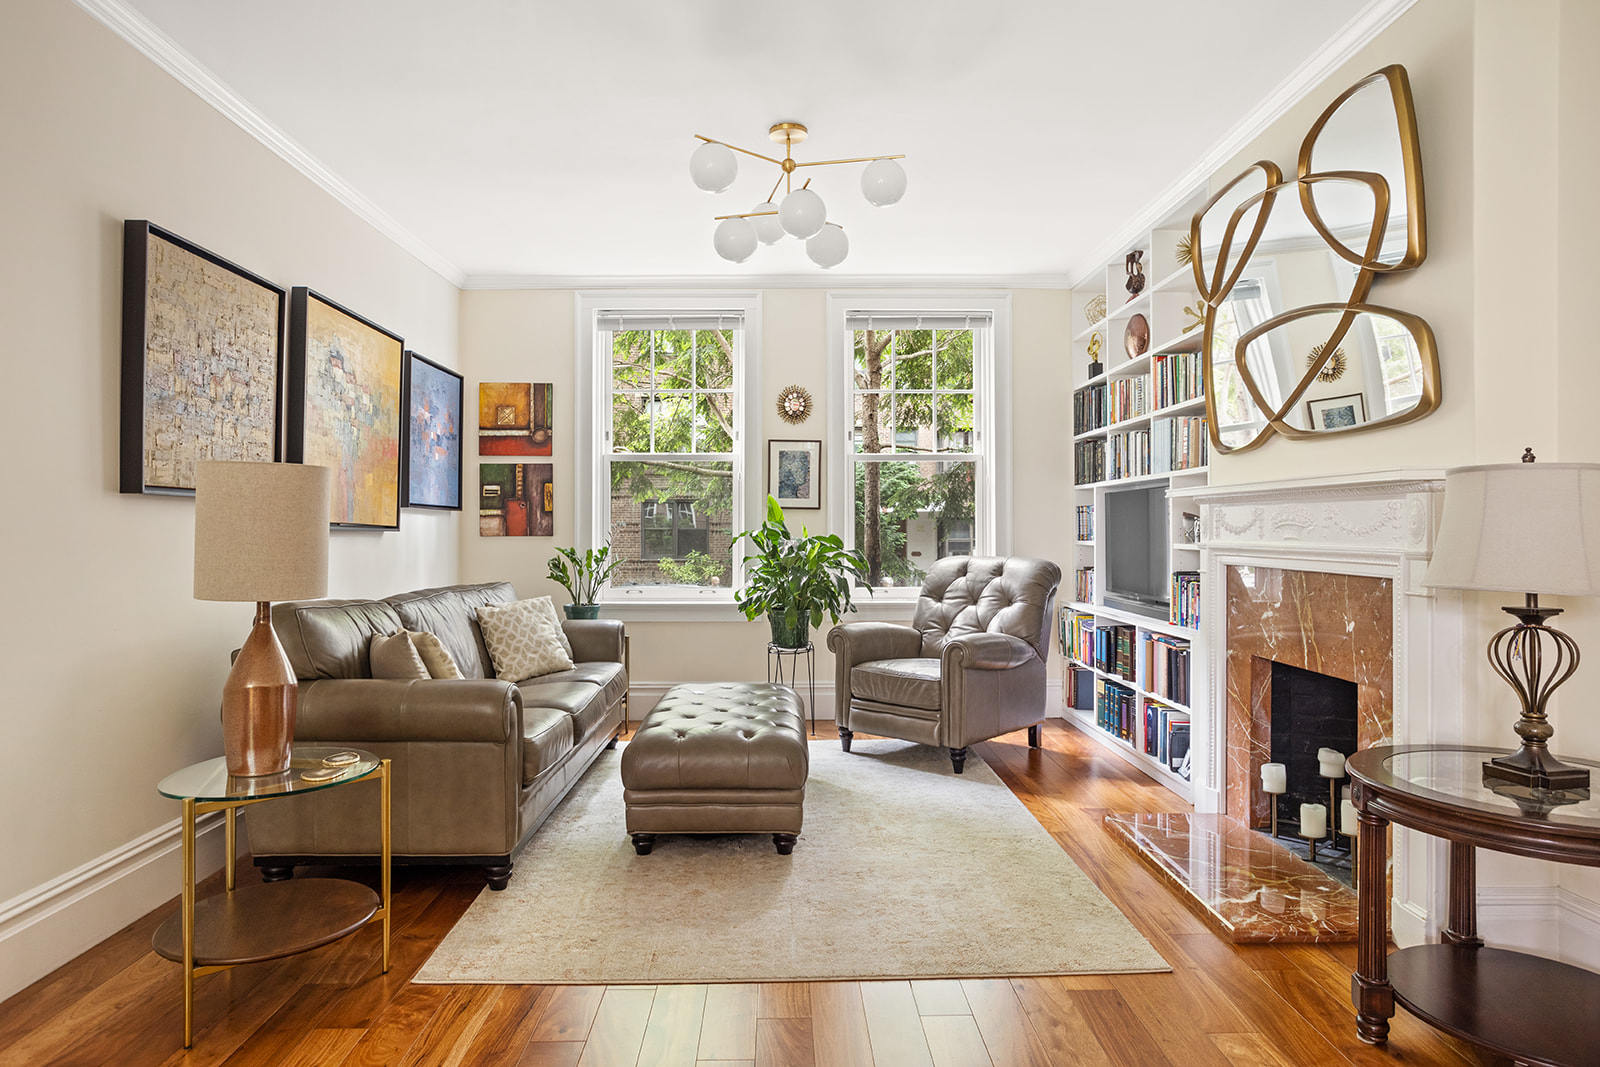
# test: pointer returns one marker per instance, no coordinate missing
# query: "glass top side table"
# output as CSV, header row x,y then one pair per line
x,y
264,922
1535,1010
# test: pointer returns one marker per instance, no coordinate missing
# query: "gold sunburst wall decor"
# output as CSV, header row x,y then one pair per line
x,y
794,404
1184,252
1334,370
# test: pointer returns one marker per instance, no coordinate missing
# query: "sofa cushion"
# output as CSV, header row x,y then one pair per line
x,y
609,677
911,683
450,613
570,697
329,638
394,656
522,640
547,735
435,657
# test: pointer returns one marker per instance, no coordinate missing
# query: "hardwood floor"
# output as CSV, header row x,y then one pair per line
x,y
1250,1006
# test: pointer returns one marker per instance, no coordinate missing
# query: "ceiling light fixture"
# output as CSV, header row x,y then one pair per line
x,y
801,213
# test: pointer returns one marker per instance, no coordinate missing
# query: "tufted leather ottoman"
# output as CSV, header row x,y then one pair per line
x,y
723,758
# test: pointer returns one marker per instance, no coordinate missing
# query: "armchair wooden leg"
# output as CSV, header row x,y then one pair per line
x,y
845,737
1033,735
958,757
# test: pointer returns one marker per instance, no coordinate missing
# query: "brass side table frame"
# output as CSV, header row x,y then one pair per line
x,y
350,902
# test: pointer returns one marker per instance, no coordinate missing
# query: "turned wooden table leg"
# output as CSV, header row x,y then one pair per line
x,y
1369,986
1463,921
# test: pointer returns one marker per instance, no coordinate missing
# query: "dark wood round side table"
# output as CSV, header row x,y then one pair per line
x,y
1535,1010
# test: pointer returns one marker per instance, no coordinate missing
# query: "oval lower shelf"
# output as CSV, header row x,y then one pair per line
x,y
266,921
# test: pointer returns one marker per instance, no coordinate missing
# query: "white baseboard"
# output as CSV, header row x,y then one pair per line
x,y
50,924
1545,920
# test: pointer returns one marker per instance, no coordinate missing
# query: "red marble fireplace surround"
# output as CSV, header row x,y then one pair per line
x,y
1335,624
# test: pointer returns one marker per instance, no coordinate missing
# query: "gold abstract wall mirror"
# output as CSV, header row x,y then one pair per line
x,y
1292,345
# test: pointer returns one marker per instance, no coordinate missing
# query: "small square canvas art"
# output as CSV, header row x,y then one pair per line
x,y
516,500
794,473
514,419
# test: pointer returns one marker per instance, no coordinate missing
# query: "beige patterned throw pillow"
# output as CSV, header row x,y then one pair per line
x,y
394,656
548,607
437,658
523,639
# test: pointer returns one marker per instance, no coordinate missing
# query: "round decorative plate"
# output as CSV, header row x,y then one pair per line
x,y
1136,338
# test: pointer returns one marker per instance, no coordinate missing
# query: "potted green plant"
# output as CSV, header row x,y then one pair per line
x,y
795,581
582,576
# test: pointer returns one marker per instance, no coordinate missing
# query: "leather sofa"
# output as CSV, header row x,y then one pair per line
x,y
971,665
478,763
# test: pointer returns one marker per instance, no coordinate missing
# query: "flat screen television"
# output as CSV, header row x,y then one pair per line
x,y
1135,532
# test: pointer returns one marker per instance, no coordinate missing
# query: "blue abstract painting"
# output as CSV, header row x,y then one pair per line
x,y
434,476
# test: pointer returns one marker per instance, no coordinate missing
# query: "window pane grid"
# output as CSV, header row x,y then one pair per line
x,y
693,405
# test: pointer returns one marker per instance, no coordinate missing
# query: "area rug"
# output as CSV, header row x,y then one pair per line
x,y
903,870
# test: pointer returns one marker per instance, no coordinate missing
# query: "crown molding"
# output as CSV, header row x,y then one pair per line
x,y
1356,34
165,53
820,280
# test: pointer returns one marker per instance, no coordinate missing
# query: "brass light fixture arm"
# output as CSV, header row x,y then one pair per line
x,y
858,159
736,148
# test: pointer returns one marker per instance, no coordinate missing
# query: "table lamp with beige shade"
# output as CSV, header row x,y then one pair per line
x,y
1528,528
260,534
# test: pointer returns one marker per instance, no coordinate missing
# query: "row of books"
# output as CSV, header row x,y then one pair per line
x,y
1084,593
1166,667
1126,398
1077,635
1178,443
1088,462
1111,649
1128,454
1089,408
1086,522
1166,736
1177,377
1185,609
1116,709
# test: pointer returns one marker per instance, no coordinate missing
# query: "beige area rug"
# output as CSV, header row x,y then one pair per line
x,y
903,870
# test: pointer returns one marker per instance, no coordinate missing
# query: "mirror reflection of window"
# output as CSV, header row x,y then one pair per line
x,y
1249,304
1401,363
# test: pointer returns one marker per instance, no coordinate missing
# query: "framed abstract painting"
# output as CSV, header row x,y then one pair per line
x,y
514,419
345,407
516,500
431,468
202,361
794,473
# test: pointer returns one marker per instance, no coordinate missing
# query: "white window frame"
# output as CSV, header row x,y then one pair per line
x,y
991,417
592,418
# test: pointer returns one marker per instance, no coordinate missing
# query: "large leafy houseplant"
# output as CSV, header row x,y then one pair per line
x,y
795,581
582,576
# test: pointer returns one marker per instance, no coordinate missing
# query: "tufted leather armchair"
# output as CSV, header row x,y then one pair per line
x,y
971,665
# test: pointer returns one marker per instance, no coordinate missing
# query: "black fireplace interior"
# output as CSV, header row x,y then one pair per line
x,y
1309,711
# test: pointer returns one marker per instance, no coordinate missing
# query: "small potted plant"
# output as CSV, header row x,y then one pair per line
x,y
582,576
795,581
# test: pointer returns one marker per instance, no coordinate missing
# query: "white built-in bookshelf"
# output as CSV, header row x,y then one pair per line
x,y
1137,423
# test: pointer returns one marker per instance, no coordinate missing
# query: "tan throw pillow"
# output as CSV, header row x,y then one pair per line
x,y
522,640
437,658
548,607
394,656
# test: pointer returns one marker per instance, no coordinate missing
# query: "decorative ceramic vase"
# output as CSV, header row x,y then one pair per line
x,y
797,636
581,611
1135,265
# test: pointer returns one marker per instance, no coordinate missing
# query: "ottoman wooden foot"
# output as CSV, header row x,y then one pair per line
x,y
784,843
643,843
498,876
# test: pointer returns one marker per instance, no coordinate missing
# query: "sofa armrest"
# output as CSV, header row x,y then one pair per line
x,y
356,710
594,640
986,652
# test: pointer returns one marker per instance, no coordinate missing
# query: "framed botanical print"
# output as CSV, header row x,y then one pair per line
x,y
1337,412
345,403
794,473
202,361
431,461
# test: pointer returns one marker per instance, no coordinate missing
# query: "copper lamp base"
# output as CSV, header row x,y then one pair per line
x,y
258,703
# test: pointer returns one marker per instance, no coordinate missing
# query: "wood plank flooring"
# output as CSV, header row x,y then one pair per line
x,y
1222,1006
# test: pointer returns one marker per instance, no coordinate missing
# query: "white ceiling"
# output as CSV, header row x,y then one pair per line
x,y
524,140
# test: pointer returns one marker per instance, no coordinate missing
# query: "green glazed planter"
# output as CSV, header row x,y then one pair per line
x,y
796,636
581,611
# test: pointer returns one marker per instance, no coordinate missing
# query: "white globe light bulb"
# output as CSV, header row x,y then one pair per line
x,y
735,239
712,167
802,213
829,247
768,228
883,182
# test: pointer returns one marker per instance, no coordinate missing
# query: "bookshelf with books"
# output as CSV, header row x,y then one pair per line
x,y
1138,422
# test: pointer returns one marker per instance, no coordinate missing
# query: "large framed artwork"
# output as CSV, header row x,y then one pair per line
x,y
514,419
344,401
202,361
431,467
794,473
516,500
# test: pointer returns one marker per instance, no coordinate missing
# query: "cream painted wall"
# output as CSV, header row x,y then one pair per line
x,y
113,670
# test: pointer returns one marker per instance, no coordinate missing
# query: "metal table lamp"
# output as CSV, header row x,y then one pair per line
x,y
260,534
1529,528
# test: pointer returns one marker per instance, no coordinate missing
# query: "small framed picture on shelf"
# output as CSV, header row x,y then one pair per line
x,y
794,473
1337,412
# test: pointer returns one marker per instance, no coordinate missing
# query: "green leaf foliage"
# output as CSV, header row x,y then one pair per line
x,y
797,577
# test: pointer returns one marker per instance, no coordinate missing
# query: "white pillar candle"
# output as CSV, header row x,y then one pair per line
x,y
1330,763
1274,778
1347,818
1313,820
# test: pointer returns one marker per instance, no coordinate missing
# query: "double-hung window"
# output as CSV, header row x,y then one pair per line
x,y
919,384
665,478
